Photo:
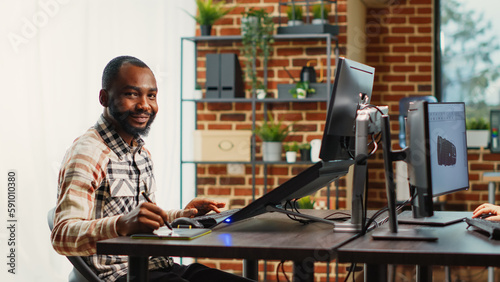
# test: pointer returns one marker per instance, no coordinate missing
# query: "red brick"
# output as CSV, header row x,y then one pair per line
x,y
421,78
403,30
290,52
403,88
420,20
403,49
402,68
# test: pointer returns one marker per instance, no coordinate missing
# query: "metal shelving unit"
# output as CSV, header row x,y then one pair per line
x,y
329,38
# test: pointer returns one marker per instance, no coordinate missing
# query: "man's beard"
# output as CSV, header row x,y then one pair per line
x,y
121,118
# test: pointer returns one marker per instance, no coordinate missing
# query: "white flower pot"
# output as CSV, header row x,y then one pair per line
x,y
477,138
315,148
261,93
271,151
319,21
301,93
291,156
295,22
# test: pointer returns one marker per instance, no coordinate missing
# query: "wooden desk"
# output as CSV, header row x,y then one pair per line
x,y
455,246
270,236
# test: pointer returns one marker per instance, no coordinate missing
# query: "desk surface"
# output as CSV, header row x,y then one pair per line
x,y
268,236
455,246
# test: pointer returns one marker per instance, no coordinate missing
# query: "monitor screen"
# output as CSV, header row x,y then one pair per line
x,y
352,86
448,148
437,152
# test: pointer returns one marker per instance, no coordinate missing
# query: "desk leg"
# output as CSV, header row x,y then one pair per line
x,y
303,271
137,269
424,273
251,269
375,272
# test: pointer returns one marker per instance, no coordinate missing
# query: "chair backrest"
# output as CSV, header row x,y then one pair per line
x,y
404,104
81,270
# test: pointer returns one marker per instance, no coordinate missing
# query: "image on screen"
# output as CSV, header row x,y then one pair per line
x,y
448,148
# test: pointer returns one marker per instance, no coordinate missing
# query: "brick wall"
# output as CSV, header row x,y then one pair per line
x,y
399,46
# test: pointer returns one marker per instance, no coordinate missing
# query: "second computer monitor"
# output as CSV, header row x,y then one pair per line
x,y
437,153
352,86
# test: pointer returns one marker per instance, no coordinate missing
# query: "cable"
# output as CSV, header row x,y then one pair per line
x,y
351,271
282,266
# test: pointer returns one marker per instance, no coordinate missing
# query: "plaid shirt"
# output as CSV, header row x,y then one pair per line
x,y
100,179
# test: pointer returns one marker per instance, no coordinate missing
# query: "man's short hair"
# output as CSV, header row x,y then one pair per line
x,y
113,68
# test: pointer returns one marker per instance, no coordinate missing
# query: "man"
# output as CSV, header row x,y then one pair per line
x,y
104,173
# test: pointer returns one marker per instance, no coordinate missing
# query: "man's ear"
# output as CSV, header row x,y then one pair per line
x,y
104,98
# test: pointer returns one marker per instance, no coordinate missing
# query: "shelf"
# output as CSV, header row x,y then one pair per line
x,y
249,163
277,37
250,100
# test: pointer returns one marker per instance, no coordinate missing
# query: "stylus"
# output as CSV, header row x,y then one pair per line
x,y
149,200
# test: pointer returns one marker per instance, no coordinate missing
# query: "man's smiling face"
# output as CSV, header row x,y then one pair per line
x,y
131,101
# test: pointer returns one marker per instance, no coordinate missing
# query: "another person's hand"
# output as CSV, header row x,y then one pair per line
x,y
487,209
145,218
200,206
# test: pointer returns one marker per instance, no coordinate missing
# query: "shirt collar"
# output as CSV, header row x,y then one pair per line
x,y
114,141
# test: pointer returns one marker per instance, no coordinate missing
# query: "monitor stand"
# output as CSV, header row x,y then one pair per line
x,y
392,233
441,218
366,123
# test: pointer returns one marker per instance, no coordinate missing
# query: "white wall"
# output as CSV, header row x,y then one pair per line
x,y
52,56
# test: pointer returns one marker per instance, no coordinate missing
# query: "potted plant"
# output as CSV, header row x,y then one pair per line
x,y
257,29
208,13
477,132
272,133
306,202
294,14
301,89
291,150
320,14
260,91
305,152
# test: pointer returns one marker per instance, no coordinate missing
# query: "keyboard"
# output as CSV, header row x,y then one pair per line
x,y
492,228
212,219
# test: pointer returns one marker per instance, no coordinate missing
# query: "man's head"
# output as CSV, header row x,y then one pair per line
x,y
128,96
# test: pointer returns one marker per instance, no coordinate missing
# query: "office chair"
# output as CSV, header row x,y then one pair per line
x,y
404,104
81,270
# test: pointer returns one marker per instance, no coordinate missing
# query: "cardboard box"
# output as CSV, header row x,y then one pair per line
x,y
222,145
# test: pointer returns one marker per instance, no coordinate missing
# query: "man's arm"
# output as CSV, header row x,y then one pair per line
x,y
75,230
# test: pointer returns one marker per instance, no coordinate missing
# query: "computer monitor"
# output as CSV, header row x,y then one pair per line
x,y
437,158
437,161
352,87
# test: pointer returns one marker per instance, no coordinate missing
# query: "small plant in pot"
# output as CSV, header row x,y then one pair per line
x,y
208,13
305,152
294,14
302,89
291,150
320,14
272,133
477,133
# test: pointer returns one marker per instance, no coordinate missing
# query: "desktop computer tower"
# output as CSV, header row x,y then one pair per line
x,y
494,126
224,76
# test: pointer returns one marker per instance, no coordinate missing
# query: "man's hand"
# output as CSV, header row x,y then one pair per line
x,y
145,218
200,207
487,208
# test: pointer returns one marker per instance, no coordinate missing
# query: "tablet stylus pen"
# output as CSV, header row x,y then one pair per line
x,y
149,200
